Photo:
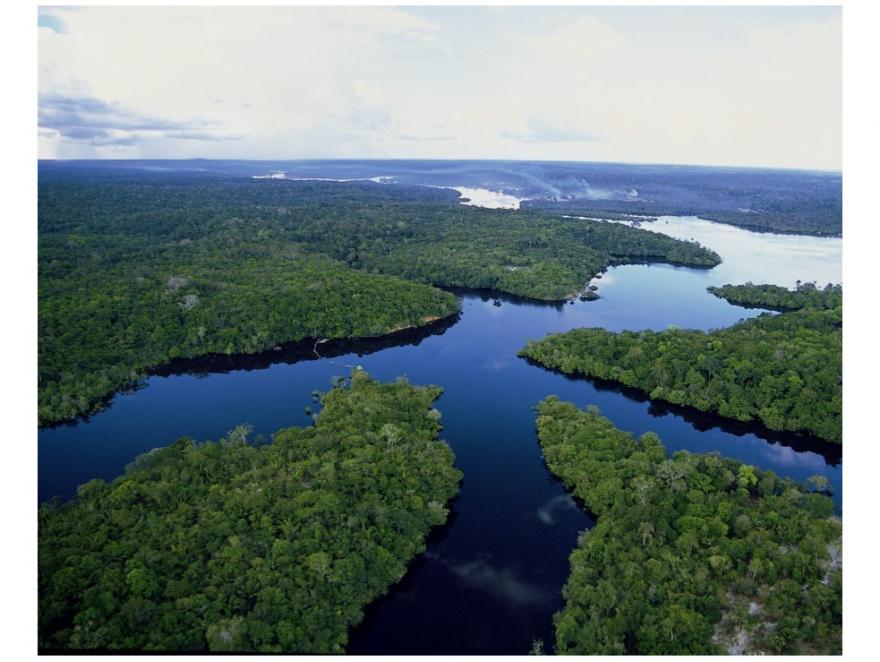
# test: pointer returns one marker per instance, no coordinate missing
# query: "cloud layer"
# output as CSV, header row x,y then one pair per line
x,y
739,86
101,123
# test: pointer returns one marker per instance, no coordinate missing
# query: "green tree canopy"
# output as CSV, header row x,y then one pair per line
x,y
782,370
693,554
225,546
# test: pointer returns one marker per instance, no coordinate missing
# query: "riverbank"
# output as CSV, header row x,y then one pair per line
x,y
290,351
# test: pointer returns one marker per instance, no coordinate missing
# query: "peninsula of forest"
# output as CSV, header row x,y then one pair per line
x,y
783,370
690,554
238,546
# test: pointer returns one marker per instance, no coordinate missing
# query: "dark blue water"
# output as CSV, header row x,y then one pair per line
x,y
491,579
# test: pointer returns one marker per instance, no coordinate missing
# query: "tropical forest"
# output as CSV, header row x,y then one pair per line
x,y
784,370
238,545
690,554
183,304
137,271
435,330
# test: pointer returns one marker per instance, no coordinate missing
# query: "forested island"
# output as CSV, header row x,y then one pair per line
x,y
783,370
774,297
235,546
693,554
137,269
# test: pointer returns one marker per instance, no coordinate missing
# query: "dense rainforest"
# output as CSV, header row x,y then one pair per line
x,y
760,200
136,269
235,546
693,554
774,297
783,370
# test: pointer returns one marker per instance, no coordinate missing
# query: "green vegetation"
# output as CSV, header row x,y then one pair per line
x,y
784,370
774,297
235,547
693,554
102,329
135,270
529,255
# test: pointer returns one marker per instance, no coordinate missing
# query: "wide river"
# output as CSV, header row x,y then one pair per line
x,y
490,580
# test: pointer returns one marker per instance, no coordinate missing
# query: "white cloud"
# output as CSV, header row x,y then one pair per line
x,y
539,131
703,86
582,40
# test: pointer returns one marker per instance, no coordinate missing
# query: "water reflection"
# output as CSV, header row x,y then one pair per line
x,y
505,583
548,513
304,350
798,444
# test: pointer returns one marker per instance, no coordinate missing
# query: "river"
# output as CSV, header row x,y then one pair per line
x,y
490,580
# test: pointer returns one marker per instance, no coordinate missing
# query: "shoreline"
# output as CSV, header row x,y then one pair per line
x,y
831,451
296,350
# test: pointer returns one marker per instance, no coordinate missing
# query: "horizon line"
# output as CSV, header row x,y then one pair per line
x,y
487,160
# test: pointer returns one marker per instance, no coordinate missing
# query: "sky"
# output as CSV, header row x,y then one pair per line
x,y
739,86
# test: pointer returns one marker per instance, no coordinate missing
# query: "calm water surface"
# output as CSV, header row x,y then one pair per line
x,y
491,579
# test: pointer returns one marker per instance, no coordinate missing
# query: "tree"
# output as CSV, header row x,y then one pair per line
x,y
746,477
819,483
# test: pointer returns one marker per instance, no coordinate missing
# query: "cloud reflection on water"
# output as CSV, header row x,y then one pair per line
x,y
547,512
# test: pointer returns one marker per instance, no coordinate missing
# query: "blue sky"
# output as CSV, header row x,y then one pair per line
x,y
709,85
